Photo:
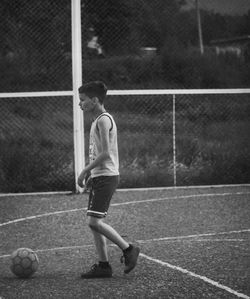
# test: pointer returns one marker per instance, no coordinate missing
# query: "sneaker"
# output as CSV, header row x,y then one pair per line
x,y
130,259
98,272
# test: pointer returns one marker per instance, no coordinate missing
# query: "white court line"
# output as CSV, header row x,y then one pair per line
x,y
218,240
64,248
180,197
59,248
40,216
177,238
125,203
35,194
204,278
169,188
199,240
195,236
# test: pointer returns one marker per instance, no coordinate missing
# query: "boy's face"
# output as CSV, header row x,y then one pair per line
x,y
86,104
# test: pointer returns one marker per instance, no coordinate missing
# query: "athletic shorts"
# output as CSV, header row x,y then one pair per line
x,y
102,190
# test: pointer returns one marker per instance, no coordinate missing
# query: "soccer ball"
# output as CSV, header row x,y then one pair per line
x,y
24,262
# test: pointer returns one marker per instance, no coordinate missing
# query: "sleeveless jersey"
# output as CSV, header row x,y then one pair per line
x,y
109,167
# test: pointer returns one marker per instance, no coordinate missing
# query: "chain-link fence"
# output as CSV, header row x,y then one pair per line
x,y
212,139
212,144
36,142
137,44
190,139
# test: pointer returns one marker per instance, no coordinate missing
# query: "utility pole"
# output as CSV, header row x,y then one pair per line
x,y
199,27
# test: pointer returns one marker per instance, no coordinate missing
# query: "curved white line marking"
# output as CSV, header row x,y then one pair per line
x,y
219,240
177,238
124,203
195,236
204,278
125,190
40,216
36,194
183,187
58,248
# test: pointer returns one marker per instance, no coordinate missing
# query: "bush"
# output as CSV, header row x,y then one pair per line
x,y
190,69
29,166
178,68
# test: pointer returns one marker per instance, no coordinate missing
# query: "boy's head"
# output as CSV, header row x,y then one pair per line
x,y
95,89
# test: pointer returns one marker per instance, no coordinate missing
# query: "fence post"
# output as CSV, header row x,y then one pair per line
x,y
79,154
174,142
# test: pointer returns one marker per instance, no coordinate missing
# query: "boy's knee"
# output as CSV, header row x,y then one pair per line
x,y
94,223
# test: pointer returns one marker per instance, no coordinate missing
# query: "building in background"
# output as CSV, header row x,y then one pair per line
x,y
238,46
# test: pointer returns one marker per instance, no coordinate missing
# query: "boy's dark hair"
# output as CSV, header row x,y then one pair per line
x,y
94,89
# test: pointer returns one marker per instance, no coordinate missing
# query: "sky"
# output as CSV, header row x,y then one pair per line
x,y
231,7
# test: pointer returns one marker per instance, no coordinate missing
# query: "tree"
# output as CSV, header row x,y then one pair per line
x,y
34,32
125,24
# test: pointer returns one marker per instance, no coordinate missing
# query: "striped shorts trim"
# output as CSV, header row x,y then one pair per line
x,y
96,214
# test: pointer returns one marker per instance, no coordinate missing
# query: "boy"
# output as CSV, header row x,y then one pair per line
x,y
104,168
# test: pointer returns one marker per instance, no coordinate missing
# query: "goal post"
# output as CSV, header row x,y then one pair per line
x,y
79,159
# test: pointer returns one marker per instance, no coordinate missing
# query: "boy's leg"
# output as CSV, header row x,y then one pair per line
x,y
101,231
97,225
100,196
130,253
103,269
101,246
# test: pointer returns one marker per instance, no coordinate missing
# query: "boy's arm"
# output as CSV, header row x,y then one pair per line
x,y
104,126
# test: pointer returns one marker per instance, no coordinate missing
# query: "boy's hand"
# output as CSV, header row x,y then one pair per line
x,y
81,179
85,176
88,183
